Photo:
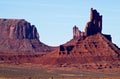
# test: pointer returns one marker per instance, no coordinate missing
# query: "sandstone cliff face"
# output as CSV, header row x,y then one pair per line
x,y
18,35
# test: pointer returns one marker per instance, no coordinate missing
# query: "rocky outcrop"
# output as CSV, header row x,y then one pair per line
x,y
18,35
65,49
95,49
91,46
94,26
17,29
77,34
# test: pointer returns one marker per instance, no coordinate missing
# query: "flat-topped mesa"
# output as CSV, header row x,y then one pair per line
x,y
17,29
94,26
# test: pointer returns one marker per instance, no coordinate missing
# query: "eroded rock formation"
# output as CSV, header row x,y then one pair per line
x,y
91,46
94,26
77,34
18,35
90,49
17,29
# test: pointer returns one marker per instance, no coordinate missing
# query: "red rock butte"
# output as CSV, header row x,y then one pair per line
x,y
89,47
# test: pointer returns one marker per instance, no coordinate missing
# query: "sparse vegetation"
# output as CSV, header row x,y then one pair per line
x,y
45,73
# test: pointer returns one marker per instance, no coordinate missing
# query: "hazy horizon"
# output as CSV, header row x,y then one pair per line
x,y
55,19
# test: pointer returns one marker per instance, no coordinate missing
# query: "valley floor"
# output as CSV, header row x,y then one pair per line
x,y
29,71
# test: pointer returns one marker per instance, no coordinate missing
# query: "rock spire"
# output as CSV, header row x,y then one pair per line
x,y
94,26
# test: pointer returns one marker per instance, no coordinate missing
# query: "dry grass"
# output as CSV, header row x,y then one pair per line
x,y
24,72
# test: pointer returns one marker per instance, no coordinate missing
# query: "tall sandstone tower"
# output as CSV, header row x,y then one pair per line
x,y
94,26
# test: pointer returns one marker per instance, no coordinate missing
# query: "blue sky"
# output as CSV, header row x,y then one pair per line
x,y
55,19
